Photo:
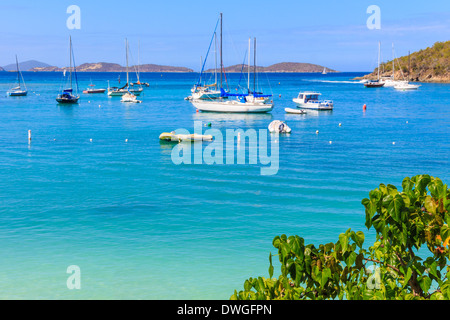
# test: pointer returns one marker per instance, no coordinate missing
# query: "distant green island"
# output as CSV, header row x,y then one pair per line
x,y
284,67
428,65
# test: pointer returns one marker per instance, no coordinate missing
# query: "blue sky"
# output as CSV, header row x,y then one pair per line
x,y
330,33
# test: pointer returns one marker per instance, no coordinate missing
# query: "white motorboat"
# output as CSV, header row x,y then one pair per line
x,y
406,86
310,100
278,126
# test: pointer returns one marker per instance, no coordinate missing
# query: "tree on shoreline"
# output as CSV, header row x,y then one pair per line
x,y
405,221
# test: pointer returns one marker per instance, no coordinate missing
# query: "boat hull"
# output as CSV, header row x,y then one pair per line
x,y
373,85
313,106
122,92
17,93
95,91
231,106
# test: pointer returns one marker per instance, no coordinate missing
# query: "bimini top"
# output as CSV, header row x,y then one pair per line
x,y
308,93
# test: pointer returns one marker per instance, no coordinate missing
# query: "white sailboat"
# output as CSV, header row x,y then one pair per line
x,y
250,102
116,91
391,82
128,96
405,86
18,90
324,70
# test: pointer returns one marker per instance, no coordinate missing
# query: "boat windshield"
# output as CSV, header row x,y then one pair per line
x,y
312,97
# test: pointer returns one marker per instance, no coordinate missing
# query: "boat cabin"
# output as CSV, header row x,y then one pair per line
x,y
309,96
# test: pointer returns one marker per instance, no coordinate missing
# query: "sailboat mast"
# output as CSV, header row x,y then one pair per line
x,y
221,51
254,67
249,48
126,49
18,73
215,59
70,62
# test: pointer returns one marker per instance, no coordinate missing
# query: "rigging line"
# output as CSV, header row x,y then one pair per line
x,y
209,48
242,68
75,69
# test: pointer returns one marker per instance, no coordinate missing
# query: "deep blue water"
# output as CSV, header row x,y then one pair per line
x,y
141,227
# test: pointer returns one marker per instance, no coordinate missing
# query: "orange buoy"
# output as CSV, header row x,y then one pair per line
x,y
197,111
364,107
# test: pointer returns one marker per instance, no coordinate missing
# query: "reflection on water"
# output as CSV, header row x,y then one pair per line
x,y
248,118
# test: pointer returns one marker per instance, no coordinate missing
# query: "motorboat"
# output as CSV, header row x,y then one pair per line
x,y
310,100
406,86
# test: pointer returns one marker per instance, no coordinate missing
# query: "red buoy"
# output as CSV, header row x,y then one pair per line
x,y
364,107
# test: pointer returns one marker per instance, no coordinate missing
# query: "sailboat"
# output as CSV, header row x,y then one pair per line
x,y
324,70
406,85
128,96
116,91
376,83
18,91
138,73
250,102
390,81
67,95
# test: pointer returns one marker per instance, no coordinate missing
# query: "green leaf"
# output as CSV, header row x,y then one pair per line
x,y
358,238
395,207
271,266
343,240
407,277
424,283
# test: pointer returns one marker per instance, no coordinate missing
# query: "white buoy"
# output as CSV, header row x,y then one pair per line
x,y
29,135
317,131
393,142
126,140
90,140
331,142
340,124
406,121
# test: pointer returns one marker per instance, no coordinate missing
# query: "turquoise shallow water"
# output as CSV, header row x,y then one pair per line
x,y
140,227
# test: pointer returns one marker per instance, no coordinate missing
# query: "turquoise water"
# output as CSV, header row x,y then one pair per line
x,y
140,227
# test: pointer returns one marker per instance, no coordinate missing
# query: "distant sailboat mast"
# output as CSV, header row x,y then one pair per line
x,y
221,51
254,66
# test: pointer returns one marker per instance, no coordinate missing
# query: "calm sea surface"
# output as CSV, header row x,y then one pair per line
x,y
141,227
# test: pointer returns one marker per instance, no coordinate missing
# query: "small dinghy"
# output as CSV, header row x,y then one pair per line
x,y
278,126
172,136
296,111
